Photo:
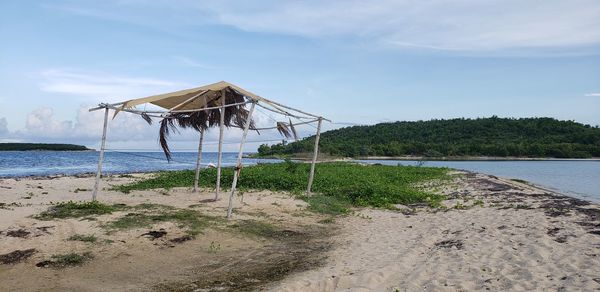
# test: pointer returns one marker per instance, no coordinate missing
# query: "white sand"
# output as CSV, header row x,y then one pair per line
x,y
502,250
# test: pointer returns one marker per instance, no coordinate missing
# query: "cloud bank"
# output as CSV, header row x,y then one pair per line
x,y
129,131
448,25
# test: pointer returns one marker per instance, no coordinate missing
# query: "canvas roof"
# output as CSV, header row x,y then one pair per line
x,y
208,92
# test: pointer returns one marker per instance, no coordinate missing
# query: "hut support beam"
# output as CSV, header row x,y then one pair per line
x,y
198,160
314,160
238,167
101,158
220,155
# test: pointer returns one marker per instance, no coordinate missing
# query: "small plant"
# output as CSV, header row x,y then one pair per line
x,y
66,260
72,259
85,238
363,216
77,190
478,202
460,206
214,247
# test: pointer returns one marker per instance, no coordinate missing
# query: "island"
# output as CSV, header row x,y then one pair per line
x,y
41,147
482,138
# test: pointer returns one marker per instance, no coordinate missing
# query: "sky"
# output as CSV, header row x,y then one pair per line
x,y
354,62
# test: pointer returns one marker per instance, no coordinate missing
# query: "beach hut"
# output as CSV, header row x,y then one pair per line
x,y
222,105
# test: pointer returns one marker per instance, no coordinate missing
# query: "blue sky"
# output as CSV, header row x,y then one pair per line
x,y
359,62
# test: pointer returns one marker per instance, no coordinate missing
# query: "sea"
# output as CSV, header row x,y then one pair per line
x,y
577,178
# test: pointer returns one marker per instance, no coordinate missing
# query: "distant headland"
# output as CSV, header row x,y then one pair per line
x,y
491,138
41,147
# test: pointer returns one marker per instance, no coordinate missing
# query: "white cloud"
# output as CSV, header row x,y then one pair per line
x,y
456,25
106,86
42,125
593,94
129,131
41,122
437,24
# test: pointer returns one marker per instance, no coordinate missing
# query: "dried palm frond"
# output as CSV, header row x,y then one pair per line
x,y
283,129
166,126
293,130
202,120
147,118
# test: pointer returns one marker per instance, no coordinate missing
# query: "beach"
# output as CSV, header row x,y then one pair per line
x,y
492,234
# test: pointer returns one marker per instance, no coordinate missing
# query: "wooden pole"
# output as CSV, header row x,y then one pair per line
x,y
314,160
101,158
238,167
220,155
198,160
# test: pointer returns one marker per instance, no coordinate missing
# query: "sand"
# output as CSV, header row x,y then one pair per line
x,y
495,234
523,238
219,258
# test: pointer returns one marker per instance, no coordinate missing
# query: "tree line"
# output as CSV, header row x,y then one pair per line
x,y
40,146
494,136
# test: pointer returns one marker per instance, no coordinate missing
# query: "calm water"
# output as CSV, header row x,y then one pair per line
x,y
576,178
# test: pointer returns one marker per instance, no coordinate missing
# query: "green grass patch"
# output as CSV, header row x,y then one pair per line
x,y
75,210
327,205
360,185
192,221
85,238
70,259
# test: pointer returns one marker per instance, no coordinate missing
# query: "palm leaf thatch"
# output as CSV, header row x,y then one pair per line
x,y
293,130
147,118
287,130
201,120
283,129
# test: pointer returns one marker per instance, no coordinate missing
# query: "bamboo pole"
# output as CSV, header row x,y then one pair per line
x,y
133,111
220,155
187,101
101,158
198,160
238,167
314,160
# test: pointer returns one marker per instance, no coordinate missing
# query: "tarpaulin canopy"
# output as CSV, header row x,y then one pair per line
x,y
202,94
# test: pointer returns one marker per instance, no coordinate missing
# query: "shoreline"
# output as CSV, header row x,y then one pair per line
x,y
584,197
423,158
475,158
